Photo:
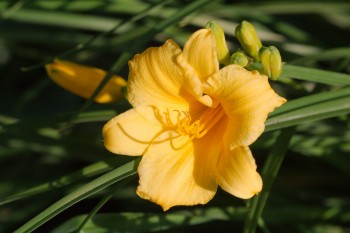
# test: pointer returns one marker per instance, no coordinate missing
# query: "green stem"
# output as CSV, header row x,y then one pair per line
x,y
102,182
100,204
269,173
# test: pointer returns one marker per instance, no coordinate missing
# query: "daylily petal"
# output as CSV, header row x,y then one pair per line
x,y
200,53
236,173
155,77
198,61
247,99
83,80
131,132
170,175
193,84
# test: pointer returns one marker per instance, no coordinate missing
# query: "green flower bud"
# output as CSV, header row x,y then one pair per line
x,y
239,58
221,46
249,40
271,61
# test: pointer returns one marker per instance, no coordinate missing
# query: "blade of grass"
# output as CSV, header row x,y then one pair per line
x,y
325,55
282,8
269,173
92,116
125,221
317,111
85,191
89,171
120,6
13,9
65,19
88,43
309,101
100,204
153,222
315,75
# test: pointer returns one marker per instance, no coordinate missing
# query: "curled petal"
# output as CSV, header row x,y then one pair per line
x,y
83,80
200,53
169,175
155,77
236,173
199,60
194,85
247,99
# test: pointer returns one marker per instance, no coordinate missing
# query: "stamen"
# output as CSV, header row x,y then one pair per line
x,y
182,127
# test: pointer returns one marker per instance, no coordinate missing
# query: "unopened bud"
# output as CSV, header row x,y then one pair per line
x,y
221,47
239,58
83,80
271,61
249,40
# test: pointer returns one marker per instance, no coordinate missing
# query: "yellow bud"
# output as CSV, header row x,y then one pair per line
x,y
83,80
249,40
271,61
239,58
221,46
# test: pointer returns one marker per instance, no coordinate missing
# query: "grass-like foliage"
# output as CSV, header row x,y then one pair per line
x,y
55,174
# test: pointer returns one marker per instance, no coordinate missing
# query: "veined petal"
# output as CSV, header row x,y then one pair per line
x,y
83,80
247,99
236,173
132,132
199,60
193,84
156,79
200,53
170,175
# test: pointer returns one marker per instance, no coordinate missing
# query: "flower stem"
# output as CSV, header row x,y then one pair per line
x,y
100,204
269,173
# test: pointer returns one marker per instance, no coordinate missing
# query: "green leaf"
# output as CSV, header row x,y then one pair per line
x,y
85,191
310,108
155,222
330,54
315,75
64,19
285,7
141,222
89,171
95,116
269,173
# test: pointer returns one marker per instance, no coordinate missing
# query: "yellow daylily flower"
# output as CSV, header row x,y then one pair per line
x,y
83,80
192,122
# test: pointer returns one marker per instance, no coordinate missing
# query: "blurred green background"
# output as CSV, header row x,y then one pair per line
x,y
311,192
